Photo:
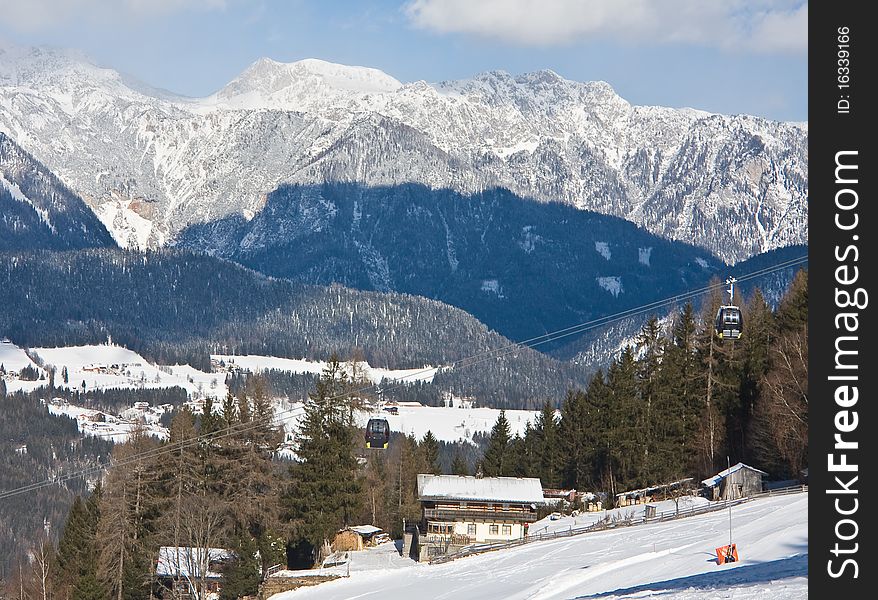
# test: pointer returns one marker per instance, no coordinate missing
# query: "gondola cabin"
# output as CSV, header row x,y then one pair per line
x,y
729,322
729,319
377,433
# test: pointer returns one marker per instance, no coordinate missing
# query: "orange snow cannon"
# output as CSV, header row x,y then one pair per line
x,y
727,554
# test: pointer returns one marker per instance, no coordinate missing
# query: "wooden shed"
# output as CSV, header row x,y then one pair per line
x,y
355,538
738,481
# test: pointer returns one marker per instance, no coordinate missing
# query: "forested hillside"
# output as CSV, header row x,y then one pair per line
x,y
173,306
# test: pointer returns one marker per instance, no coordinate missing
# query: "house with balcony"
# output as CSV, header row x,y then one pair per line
x,y
458,510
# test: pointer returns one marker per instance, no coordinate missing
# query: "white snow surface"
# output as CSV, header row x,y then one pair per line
x,y
712,481
464,487
447,424
603,248
611,284
112,429
673,560
94,364
14,358
587,519
256,363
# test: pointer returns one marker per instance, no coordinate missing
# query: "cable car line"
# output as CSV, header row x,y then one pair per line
x,y
458,364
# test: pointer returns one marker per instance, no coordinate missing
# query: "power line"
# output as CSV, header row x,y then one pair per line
x,y
458,364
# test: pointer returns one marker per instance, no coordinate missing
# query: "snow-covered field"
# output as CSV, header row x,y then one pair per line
x,y
672,561
634,513
109,366
110,428
256,363
448,424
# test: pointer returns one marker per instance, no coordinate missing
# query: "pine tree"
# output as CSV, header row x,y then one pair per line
x,y
325,490
76,567
210,421
576,445
458,465
547,446
430,448
650,345
792,313
755,348
497,461
126,512
241,577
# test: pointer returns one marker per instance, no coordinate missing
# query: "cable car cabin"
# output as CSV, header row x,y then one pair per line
x,y
377,433
729,322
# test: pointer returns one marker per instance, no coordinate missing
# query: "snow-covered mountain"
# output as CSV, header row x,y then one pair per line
x,y
37,211
150,163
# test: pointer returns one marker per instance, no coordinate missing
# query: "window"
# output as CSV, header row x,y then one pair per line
x,y
440,528
494,529
507,530
471,529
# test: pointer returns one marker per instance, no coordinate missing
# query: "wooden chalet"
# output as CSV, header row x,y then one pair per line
x,y
461,510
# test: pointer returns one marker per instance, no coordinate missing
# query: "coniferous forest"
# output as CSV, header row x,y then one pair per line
x,y
677,403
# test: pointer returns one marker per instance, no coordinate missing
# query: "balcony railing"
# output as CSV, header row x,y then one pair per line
x,y
451,514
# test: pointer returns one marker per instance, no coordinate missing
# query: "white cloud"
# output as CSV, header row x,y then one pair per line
x,y
34,15
750,25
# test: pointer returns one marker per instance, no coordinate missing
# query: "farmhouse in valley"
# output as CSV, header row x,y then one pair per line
x,y
459,510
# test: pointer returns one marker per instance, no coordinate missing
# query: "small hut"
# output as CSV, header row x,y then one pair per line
x,y
356,538
738,481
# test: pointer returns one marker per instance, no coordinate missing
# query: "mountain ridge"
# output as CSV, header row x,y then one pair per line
x,y
151,164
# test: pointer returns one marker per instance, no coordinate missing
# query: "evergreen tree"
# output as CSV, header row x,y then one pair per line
x,y
576,444
430,448
498,461
755,349
458,465
650,345
210,420
76,567
792,314
325,490
547,446
241,576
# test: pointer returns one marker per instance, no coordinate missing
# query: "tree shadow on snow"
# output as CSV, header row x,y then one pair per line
x,y
761,572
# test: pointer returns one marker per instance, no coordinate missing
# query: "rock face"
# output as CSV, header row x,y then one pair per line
x,y
151,163
39,212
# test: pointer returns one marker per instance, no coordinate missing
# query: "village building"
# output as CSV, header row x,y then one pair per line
x,y
558,497
458,510
738,481
191,572
655,493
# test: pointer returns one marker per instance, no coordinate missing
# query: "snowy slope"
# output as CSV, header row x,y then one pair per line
x,y
671,561
256,363
151,163
109,366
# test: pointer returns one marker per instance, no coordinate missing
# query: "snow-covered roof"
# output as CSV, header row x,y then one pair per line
x,y
365,529
186,562
654,488
527,490
712,481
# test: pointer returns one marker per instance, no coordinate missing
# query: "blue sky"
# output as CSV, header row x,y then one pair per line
x,y
731,56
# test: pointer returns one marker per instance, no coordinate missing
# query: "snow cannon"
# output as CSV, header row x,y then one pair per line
x,y
727,554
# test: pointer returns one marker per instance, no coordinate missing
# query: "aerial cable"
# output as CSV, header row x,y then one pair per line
x,y
463,363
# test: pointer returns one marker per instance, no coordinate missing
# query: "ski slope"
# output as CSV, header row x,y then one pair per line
x,y
672,561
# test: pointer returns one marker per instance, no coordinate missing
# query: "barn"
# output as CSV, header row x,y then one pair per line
x,y
738,481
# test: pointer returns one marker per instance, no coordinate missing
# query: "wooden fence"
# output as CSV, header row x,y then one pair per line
x,y
604,525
